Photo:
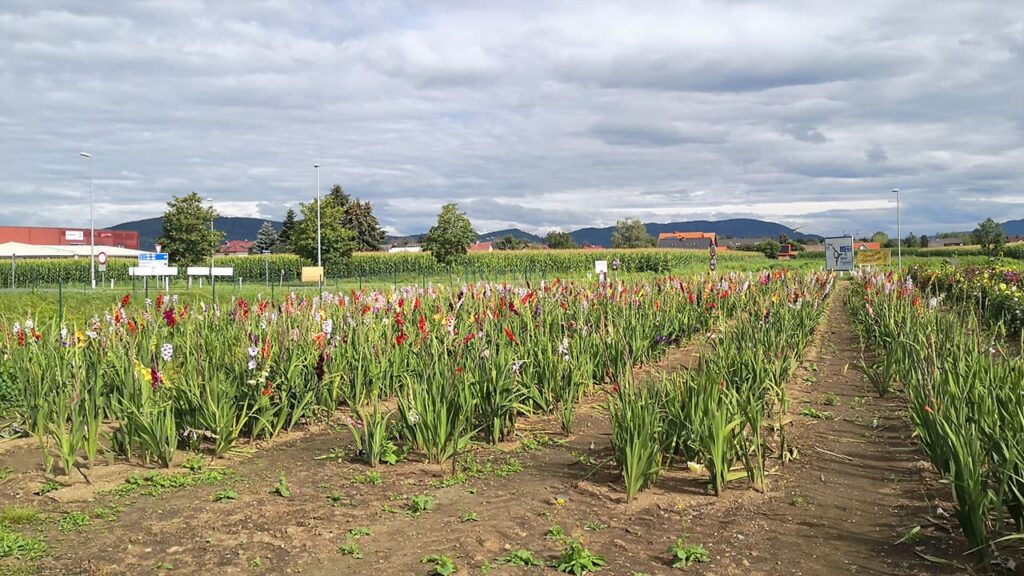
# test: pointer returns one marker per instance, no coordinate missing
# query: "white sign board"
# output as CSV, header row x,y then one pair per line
x,y
205,271
74,235
101,258
839,253
153,260
601,266
152,271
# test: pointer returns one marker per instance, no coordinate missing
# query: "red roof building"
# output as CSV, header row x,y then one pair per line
x,y
481,247
236,248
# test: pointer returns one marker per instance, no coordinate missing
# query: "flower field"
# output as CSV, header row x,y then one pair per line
x,y
143,380
996,291
965,386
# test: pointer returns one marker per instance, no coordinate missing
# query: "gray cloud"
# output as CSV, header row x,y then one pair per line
x,y
530,114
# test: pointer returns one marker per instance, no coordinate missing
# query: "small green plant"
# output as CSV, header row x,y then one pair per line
x,y
15,515
282,489
469,516
911,537
14,545
351,549
555,532
195,463
6,472
521,557
595,526
109,514
359,532
225,496
48,486
830,399
335,498
512,466
451,480
577,560
684,554
797,500
73,521
441,565
368,477
811,412
255,562
585,460
419,504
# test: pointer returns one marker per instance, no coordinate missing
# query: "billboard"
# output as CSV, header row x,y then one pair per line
x,y
839,253
874,257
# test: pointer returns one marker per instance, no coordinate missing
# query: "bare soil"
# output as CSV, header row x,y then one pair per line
x,y
858,486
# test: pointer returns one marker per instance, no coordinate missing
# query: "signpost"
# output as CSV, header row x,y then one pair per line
x,y
312,274
713,251
101,260
881,257
601,268
839,254
152,264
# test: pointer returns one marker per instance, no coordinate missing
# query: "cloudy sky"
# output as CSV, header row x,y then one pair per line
x,y
538,115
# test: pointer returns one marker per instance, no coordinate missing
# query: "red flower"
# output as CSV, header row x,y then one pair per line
x,y
131,326
36,335
416,303
692,298
469,338
458,369
510,335
21,337
399,320
615,388
423,325
160,300
400,339
268,389
124,301
169,317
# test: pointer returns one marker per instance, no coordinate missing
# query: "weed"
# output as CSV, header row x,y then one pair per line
x,y
911,537
14,515
14,545
469,516
797,500
335,498
282,487
585,460
195,463
158,483
555,533
442,565
684,554
6,472
521,557
109,514
452,480
811,412
255,562
48,486
368,477
830,399
595,526
225,496
419,504
577,560
351,549
510,467
359,532
73,521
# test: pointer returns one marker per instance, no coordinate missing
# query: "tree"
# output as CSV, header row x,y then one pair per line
x,y
339,196
631,233
510,242
188,236
266,239
770,248
449,239
559,240
337,242
359,219
284,236
911,241
922,241
990,235
880,237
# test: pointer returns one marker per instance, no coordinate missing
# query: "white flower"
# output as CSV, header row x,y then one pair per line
x,y
167,352
29,324
16,328
328,326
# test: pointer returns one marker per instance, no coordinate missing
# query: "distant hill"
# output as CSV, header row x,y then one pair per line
x,y
514,232
233,228
736,228
1014,227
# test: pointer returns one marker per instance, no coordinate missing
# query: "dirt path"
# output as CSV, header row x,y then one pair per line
x,y
859,484
824,514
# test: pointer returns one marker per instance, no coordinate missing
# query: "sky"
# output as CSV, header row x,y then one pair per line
x,y
539,115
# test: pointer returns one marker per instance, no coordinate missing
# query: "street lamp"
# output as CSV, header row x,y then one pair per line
x,y
319,255
92,227
213,283
899,232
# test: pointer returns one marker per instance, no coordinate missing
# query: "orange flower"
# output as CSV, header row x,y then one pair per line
x,y
510,335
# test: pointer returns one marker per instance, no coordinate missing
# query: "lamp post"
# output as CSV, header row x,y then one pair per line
x,y
319,254
213,283
899,232
92,226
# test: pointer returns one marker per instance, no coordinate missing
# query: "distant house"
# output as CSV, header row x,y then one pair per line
x,y
236,248
732,243
944,242
589,246
409,248
481,247
868,246
687,240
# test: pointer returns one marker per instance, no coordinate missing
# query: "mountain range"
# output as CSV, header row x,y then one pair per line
x,y
150,230
233,228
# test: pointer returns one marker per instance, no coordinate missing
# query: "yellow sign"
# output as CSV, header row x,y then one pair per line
x,y
312,274
874,257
